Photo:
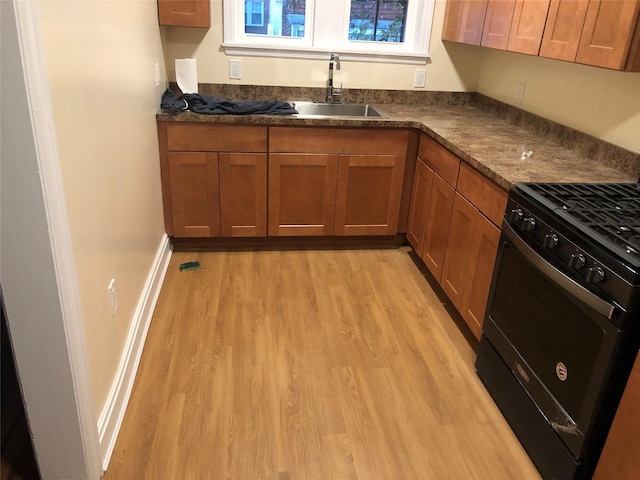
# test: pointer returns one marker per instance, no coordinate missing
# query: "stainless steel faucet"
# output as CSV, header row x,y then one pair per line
x,y
334,95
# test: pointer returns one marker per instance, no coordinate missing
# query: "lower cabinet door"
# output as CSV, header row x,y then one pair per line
x,y
420,195
483,256
194,194
368,194
302,194
457,264
437,229
243,194
468,266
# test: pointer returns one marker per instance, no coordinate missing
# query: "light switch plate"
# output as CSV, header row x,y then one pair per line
x,y
235,69
420,78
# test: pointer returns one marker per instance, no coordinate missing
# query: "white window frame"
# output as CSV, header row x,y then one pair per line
x,y
261,15
327,30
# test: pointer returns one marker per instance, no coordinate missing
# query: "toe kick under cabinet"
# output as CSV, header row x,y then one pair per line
x,y
454,226
254,181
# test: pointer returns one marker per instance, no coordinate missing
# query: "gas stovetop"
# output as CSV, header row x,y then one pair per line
x,y
608,213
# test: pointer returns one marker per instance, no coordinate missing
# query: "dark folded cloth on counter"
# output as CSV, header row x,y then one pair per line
x,y
209,105
172,104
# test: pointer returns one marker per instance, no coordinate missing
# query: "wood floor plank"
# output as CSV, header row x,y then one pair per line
x,y
318,364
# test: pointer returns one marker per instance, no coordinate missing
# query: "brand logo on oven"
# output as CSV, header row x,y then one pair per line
x,y
561,371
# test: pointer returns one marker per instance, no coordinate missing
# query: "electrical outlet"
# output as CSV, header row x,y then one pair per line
x,y
113,297
157,72
235,69
520,93
420,78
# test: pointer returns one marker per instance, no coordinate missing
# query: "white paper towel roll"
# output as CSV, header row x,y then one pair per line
x,y
187,75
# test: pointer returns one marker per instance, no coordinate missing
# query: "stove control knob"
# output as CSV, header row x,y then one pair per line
x,y
550,240
529,224
577,261
595,274
516,215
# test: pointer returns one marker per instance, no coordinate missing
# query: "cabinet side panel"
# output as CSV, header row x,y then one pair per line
x,y
165,178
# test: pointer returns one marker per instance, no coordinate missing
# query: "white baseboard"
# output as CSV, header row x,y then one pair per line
x,y
113,412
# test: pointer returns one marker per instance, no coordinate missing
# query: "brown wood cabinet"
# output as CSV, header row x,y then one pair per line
x,y
594,32
527,26
602,33
563,29
437,228
243,194
229,181
325,181
302,194
185,13
452,226
497,23
213,179
368,194
611,35
619,458
464,20
432,200
420,196
194,194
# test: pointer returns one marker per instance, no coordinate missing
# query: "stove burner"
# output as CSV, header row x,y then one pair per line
x,y
610,212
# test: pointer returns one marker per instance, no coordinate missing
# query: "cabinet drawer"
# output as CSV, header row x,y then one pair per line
x,y
439,159
216,138
489,198
340,141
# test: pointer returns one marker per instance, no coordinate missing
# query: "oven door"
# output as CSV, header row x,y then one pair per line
x,y
554,334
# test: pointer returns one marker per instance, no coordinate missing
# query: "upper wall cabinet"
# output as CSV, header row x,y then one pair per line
x,y
497,23
463,21
602,33
527,26
185,13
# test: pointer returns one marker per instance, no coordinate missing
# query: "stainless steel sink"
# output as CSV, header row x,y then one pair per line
x,y
335,109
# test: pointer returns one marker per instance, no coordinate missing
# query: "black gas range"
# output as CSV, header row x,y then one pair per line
x,y
562,325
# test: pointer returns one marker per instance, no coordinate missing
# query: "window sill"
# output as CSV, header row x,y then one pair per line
x,y
249,50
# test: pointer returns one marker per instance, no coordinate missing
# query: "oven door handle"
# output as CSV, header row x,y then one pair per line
x,y
585,296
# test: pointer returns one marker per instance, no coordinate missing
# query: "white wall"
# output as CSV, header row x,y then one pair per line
x,y
100,57
451,69
603,103
599,102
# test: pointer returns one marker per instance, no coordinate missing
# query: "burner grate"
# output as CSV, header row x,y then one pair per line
x,y
612,211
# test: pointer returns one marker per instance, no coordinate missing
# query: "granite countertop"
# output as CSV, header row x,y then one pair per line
x,y
483,138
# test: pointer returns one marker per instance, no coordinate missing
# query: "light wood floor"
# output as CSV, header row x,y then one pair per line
x,y
309,364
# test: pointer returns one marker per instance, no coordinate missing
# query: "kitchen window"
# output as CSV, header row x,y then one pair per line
x,y
371,30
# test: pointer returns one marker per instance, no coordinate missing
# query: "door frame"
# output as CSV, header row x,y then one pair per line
x,y
37,269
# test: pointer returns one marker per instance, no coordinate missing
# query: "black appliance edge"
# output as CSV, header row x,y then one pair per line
x,y
554,461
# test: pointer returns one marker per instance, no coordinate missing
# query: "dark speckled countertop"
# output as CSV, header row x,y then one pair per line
x,y
483,133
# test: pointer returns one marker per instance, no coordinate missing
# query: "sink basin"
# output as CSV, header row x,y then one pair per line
x,y
335,109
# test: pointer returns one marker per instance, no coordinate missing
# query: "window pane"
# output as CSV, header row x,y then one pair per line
x,y
378,20
276,18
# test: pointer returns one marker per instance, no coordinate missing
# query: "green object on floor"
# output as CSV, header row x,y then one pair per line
x,y
189,266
